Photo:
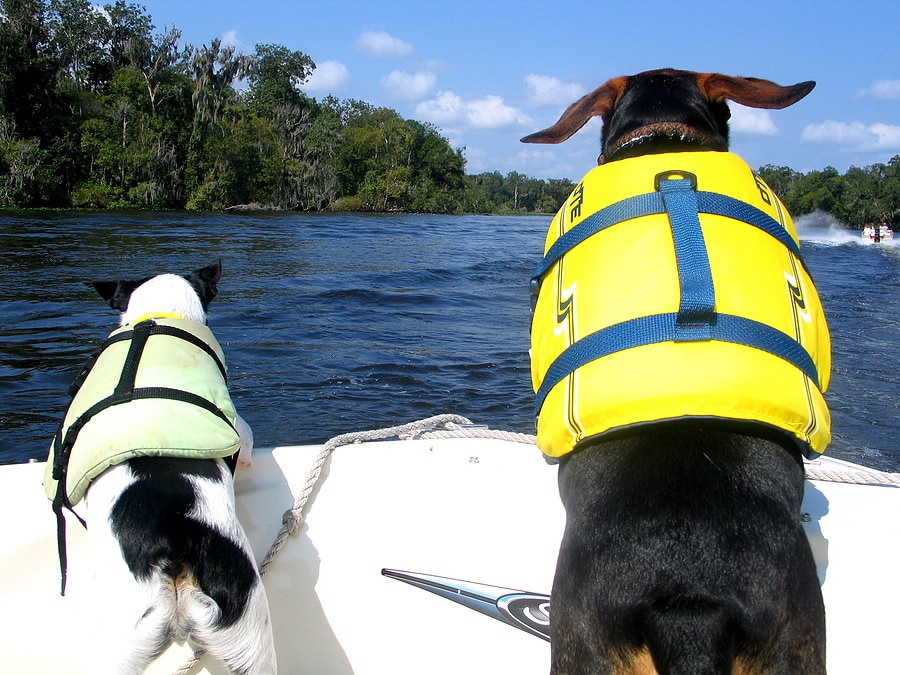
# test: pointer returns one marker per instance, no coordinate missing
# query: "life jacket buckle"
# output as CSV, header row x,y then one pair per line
x,y
674,175
534,290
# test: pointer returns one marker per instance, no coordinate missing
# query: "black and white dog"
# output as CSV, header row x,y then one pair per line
x,y
172,561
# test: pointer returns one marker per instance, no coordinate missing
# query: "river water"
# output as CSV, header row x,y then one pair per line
x,y
345,322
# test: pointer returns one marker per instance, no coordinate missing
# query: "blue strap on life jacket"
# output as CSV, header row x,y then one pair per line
x,y
657,328
650,204
696,318
698,297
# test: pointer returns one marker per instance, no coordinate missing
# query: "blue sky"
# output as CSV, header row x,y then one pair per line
x,y
488,72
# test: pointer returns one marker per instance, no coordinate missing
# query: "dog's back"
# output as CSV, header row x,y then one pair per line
x,y
171,566
172,523
684,548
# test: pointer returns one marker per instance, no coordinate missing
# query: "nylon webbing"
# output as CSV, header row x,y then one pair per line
x,y
657,328
184,397
696,319
698,297
139,337
187,336
651,203
647,204
124,392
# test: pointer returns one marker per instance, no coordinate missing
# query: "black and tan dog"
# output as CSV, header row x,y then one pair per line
x,y
683,550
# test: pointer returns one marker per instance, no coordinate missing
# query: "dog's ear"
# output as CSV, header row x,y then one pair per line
x,y
599,102
206,282
750,91
116,293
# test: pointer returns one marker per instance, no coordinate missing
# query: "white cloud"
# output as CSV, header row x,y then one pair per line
x,y
382,44
751,121
547,90
230,39
445,108
409,86
489,112
883,90
854,135
888,135
327,78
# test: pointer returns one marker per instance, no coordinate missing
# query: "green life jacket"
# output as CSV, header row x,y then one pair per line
x,y
156,388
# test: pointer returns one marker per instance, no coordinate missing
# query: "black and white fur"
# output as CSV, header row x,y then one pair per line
x,y
172,561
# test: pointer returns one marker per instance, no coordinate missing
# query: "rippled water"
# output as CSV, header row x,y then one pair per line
x,y
342,322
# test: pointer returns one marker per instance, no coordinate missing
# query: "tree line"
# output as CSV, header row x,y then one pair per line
x,y
860,196
98,109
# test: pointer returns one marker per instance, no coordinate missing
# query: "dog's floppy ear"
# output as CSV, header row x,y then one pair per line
x,y
206,282
750,91
116,293
598,102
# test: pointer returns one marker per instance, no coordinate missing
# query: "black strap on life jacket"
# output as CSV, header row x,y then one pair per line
x,y
124,392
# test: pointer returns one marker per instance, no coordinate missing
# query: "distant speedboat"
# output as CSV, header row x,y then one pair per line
x,y
873,235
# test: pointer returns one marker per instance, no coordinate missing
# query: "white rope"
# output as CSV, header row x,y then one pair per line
x,y
813,472
454,426
475,431
851,476
293,517
189,665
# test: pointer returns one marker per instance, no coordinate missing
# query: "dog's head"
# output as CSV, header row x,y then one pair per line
x,y
165,295
667,111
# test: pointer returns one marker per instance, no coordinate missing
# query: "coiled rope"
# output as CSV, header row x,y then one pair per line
x,y
456,426
852,476
292,519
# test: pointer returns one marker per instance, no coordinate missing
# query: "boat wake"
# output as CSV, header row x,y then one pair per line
x,y
821,228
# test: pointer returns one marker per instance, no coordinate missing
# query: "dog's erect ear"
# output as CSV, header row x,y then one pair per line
x,y
750,91
206,282
598,102
116,293
106,289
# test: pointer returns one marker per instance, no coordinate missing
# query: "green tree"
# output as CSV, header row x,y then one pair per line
x,y
861,200
129,35
274,77
215,68
781,179
27,67
208,173
815,191
80,34
20,161
892,191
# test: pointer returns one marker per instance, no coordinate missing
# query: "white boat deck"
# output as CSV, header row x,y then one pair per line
x,y
478,510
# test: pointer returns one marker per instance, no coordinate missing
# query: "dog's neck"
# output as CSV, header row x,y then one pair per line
x,y
662,137
154,315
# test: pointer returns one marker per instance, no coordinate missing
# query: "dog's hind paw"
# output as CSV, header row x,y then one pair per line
x,y
245,456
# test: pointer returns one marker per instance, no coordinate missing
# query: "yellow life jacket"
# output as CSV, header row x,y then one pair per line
x,y
156,388
672,288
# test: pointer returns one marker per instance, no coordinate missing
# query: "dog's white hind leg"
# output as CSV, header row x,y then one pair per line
x,y
246,647
131,620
